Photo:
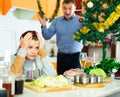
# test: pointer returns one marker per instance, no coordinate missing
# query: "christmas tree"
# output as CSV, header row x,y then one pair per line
x,y
100,20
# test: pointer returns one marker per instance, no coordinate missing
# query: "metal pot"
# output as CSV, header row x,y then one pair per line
x,y
99,79
84,79
93,78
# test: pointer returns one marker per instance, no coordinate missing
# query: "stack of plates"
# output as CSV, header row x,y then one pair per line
x,y
69,74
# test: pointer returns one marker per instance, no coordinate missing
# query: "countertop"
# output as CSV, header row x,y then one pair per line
x,y
109,89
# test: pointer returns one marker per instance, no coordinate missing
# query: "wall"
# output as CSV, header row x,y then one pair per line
x,y
10,27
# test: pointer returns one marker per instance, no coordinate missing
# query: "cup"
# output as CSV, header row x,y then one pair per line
x,y
95,58
82,59
19,84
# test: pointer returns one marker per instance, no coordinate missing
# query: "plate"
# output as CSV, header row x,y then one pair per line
x,y
69,74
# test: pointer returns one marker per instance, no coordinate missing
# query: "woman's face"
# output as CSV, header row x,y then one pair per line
x,y
33,49
68,10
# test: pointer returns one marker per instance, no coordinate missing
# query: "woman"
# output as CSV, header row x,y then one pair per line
x,y
31,58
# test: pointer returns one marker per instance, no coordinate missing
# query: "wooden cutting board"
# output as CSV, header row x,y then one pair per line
x,y
95,85
50,89
107,80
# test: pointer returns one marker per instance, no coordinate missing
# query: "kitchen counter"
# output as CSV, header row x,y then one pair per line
x,y
112,88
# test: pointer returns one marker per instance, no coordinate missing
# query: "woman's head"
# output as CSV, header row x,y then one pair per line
x,y
34,34
30,42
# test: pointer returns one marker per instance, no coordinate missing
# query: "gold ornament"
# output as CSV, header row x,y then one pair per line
x,y
84,30
101,27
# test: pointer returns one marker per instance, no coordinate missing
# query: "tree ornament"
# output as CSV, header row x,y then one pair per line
x,y
105,5
90,4
80,19
107,40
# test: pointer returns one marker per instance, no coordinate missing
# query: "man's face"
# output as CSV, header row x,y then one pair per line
x,y
68,10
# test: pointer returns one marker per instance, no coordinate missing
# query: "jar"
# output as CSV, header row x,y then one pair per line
x,y
93,78
84,79
76,79
8,77
99,79
19,83
9,84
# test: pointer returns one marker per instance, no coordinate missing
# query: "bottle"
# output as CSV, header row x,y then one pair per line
x,y
1,82
7,60
7,77
9,84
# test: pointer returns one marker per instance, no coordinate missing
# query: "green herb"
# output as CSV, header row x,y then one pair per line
x,y
107,64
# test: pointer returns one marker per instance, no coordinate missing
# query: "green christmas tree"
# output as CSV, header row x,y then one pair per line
x,y
100,20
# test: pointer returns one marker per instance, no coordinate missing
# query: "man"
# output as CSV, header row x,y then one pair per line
x,y
64,27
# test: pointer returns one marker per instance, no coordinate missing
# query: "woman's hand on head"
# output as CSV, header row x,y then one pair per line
x,y
24,41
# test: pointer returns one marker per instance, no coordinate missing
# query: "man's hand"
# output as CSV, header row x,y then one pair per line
x,y
42,21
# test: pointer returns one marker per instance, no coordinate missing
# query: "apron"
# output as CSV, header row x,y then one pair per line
x,y
30,75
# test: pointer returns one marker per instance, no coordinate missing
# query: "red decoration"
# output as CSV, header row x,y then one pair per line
x,y
80,19
117,73
107,40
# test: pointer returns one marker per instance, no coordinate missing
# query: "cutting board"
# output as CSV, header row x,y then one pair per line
x,y
95,85
107,80
48,89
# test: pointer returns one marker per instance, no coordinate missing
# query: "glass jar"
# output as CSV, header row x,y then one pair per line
x,y
9,84
8,77
19,84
